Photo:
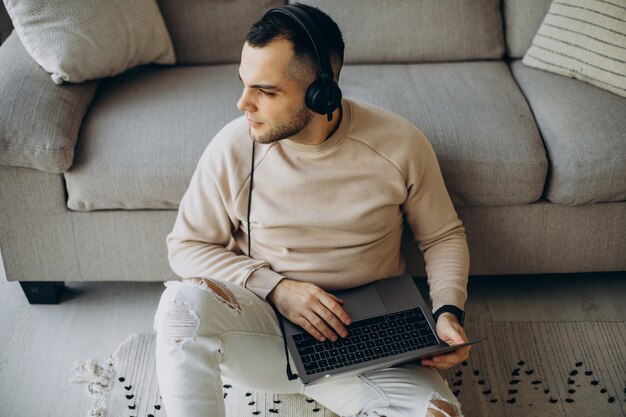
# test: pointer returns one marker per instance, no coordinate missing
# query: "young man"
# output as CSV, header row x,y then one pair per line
x,y
328,203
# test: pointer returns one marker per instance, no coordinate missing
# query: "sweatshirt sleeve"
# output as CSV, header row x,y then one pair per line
x,y
437,229
201,242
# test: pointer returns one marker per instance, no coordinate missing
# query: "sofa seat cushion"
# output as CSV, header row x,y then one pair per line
x,y
146,130
583,128
473,113
144,133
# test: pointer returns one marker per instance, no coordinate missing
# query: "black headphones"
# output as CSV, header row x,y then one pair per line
x,y
323,95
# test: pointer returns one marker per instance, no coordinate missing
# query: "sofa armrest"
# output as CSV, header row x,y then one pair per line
x,y
39,121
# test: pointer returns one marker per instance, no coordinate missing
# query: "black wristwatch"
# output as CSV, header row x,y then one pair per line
x,y
449,308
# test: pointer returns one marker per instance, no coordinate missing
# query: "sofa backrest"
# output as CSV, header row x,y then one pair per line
x,y
522,19
386,31
211,32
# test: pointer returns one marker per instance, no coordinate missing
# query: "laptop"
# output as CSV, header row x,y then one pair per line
x,y
391,324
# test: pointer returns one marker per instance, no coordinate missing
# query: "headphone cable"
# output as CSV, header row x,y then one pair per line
x,y
290,375
250,196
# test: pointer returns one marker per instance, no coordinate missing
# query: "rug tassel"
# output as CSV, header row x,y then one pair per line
x,y
97,377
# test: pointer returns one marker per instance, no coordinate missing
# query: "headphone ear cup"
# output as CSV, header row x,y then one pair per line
x,y
316,99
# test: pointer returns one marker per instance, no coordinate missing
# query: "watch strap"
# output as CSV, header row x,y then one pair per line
x,y
449,308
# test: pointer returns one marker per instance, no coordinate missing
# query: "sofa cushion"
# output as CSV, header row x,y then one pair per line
x,y
83,40
146,130
378,31
39,120
583,40
522,19
583,130
211,32
477,120
144,134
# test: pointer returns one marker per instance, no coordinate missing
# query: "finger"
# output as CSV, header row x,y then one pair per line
x,y
441,362
454,339
330,319
437,365
463,337
339,300
320,326
310,329
336,309
427,362
454,357
451,359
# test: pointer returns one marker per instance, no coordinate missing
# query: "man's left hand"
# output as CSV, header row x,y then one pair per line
x,y
450,331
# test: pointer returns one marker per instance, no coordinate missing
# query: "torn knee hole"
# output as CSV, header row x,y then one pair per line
x,y
180,324
220,291
442,408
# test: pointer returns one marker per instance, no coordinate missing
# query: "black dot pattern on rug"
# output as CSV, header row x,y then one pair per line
x,y
129,396
255,406
476,377
131,401
316,407
520,382
276,400
525,377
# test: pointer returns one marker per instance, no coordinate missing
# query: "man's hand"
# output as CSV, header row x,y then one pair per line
x,y
311,308
450,331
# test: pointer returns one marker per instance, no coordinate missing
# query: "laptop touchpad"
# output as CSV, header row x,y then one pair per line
x,y
361,302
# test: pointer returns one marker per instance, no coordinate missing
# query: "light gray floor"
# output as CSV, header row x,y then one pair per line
x,y
38,344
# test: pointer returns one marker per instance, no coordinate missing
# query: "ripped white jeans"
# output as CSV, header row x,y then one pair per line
x,y
211,333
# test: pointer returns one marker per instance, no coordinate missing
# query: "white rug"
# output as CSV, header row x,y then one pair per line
x,y
125,384
523,369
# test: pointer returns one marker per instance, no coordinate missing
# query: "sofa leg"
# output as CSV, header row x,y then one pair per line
x,y
38,292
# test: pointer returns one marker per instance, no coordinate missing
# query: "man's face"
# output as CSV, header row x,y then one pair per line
x,y
273,103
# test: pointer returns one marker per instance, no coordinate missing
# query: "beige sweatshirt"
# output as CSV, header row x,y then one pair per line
x,y
330,214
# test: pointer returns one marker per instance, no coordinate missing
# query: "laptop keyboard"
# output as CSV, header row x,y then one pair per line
x,y
368,339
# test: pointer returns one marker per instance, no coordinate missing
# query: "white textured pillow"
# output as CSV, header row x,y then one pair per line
x,y
583,39
78,40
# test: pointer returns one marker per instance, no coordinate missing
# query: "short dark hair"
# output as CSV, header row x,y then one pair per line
x,y
277,25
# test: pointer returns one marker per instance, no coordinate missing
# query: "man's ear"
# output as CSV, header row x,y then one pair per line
x,y
336,66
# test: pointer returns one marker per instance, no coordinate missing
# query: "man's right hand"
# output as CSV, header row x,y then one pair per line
x,y
311,308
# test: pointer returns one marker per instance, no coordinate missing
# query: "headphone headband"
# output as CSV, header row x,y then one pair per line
x,y
310,27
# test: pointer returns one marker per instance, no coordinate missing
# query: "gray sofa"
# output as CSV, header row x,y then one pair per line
x,y
91,174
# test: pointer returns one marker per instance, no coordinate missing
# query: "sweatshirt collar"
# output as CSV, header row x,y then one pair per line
x,y
332,141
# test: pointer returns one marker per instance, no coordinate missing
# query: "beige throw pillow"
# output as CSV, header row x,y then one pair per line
x,y
78,40
583,39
